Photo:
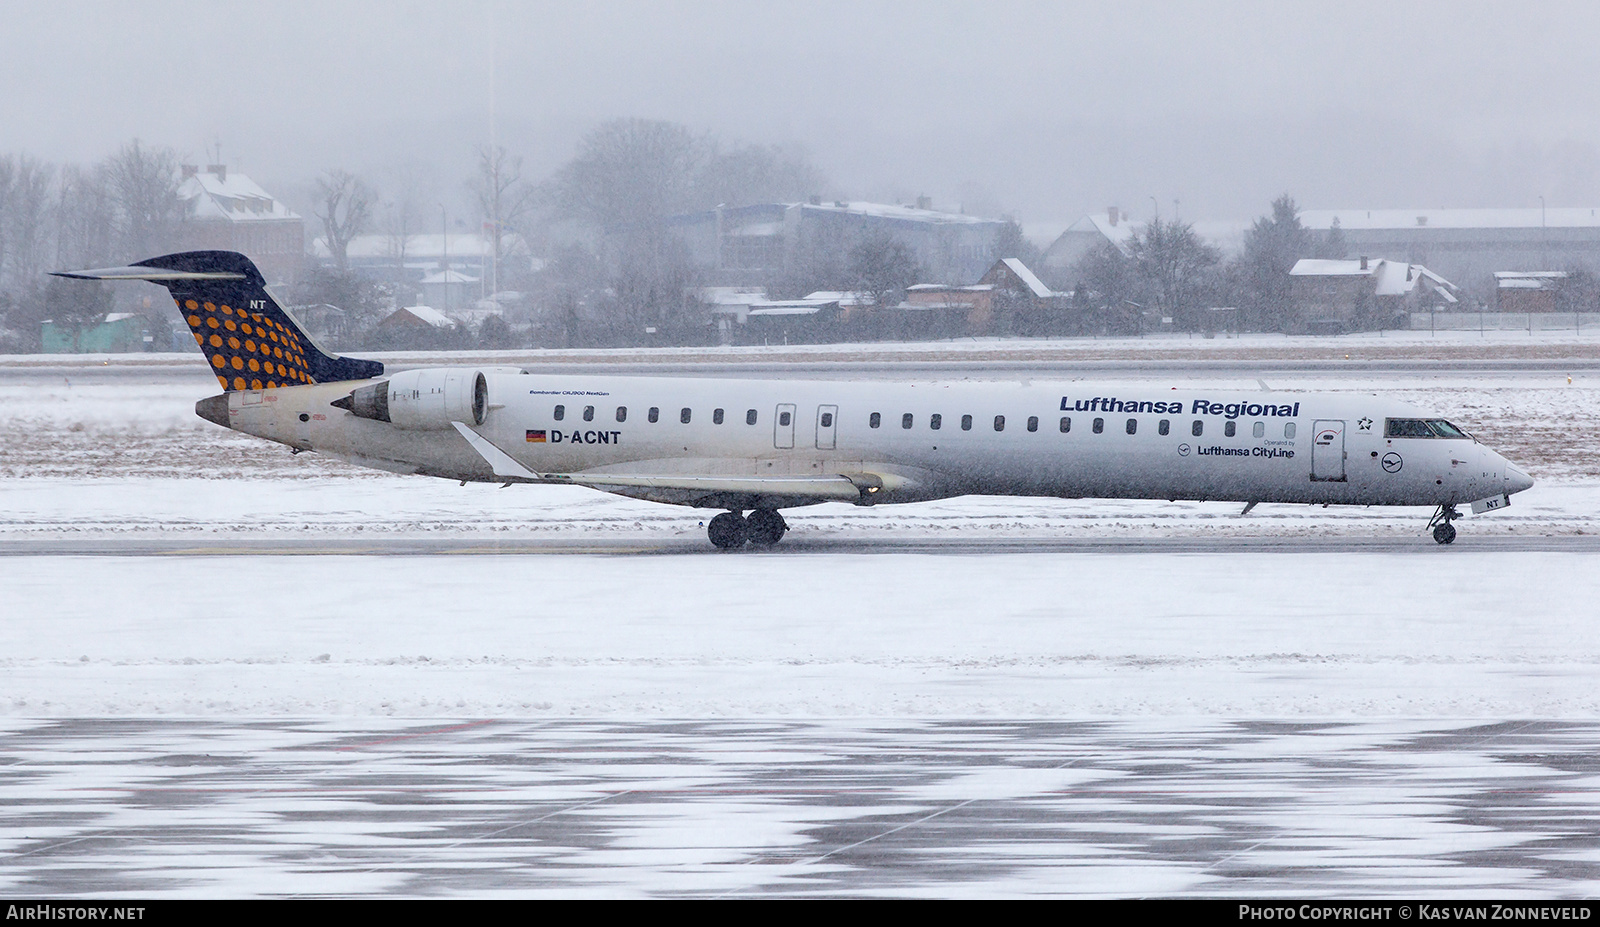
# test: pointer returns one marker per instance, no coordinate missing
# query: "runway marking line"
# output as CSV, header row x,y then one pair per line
x,y
443,730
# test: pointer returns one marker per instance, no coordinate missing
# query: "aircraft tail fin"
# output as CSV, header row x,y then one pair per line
x,y
250,340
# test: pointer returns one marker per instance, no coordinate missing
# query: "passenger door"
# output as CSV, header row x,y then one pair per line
x,y
827,427
1327,451
783,426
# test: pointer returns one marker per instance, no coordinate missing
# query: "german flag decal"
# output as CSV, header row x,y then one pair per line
x,y
535,436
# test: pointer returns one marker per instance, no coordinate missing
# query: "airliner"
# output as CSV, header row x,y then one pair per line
x,y
751,448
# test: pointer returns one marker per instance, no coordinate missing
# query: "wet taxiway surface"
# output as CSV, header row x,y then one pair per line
x,y
726,808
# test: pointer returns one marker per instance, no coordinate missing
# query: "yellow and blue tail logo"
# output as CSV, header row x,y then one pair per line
x,y
250,341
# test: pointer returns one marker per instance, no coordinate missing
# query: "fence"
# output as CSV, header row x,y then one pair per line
x,y
1505,321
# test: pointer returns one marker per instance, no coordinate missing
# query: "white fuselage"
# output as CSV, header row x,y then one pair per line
x,y
919,440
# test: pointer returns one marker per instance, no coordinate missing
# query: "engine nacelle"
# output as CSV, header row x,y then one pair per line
x,y
427,400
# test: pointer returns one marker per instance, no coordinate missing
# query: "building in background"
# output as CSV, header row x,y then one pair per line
x,y
1470,245
1363,294
748,245
1528,291
227,211
427,261
1115,228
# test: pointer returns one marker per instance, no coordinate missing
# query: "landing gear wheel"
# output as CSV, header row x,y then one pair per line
x,y
766,527
728,530
1443,531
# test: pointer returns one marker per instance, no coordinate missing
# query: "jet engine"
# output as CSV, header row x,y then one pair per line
x,y
426,400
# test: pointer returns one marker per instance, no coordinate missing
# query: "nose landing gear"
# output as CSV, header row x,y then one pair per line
x,y
1443,531
763,528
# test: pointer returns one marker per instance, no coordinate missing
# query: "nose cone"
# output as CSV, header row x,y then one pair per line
x,y
1516,480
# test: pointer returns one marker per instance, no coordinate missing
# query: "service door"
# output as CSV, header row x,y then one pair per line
x,y
1327,451
783,426
827,427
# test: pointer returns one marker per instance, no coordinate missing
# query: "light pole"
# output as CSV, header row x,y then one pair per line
x,y
444,227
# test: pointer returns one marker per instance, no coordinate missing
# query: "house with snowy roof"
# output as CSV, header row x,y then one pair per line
x,y
1363,294
1008,299
227,211
1470,245
1528,291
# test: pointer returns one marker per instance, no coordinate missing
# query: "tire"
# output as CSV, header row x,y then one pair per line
x,y
728,530
1445,533
766,527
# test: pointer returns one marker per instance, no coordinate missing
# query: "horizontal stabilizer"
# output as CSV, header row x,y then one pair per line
x,y
154,274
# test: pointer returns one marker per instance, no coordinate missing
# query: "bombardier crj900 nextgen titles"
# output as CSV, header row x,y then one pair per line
x,y
759,446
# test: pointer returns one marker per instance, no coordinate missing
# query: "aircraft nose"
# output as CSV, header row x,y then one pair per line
x,y
1516,480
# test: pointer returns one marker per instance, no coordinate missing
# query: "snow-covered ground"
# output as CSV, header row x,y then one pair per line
x,y
804,632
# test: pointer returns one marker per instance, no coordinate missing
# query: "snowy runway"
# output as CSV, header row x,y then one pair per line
x,y
332,681
732,809
1057,634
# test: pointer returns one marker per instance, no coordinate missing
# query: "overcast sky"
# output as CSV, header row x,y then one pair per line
x,y
1045,110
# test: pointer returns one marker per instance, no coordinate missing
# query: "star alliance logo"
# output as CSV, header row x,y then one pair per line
x,y
1365,424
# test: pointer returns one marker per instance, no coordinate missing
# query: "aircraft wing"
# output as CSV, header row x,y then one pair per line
x,y
800,489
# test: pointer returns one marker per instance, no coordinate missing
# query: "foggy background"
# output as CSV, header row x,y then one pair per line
x,y
1043,111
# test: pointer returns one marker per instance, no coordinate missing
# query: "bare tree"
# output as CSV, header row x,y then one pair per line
x,y
402,220
144,186
8,179
1173,269
346,212
85,214
27,222
757,174
504,200
630,172
883,267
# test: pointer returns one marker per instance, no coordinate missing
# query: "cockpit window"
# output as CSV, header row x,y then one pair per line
x,y
1407,428
1422,428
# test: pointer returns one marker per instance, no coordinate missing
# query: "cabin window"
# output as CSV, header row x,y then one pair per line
x,y
1198,428
654,416
588,413
683,416
1165,427
1288,429
1033,423
905,420
622,413
560,413
966,423
784,419
1099,425
1066,424
999,423
1258,430
874,420
1230,429
827,420
1132,426
935,421
750,417
716,416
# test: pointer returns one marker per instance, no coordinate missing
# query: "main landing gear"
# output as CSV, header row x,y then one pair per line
x,y
763,528
1443,531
